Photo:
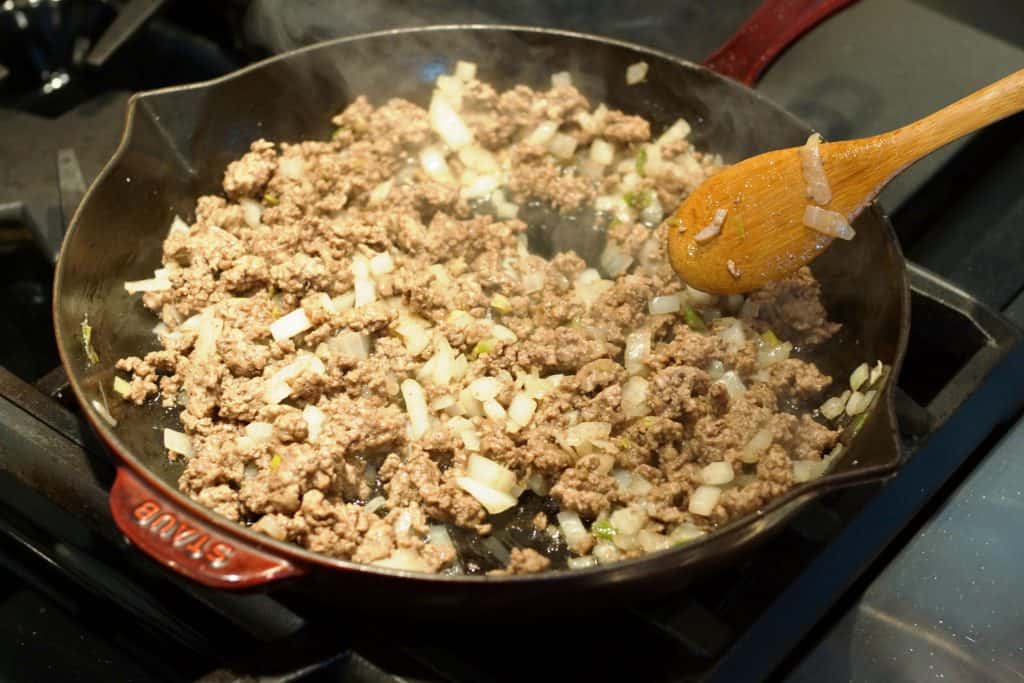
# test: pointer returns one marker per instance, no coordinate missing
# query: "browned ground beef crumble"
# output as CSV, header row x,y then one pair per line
x,y
300,226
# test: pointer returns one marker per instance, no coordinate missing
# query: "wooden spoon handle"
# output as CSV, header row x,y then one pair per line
x,y
979,109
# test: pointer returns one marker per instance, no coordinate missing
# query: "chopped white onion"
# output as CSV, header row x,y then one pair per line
x,y
602,152
481,186
404,559
769,356
757,445
252,211
576,535
684,533
314,418
494,501
276,392
716,369
832,408
828,222
636,72
733,384
605,552
490,473
717,473
260,432
580,437
652,542
806,470
465,71
679,130
653,212
382,263
699,298
446,122
352,344
638,347
375,504
416,407
629,520
494,410
703,500
733,336
661,305
876,373
289,325
584,562
434,164
153,284
814,171
561,79
634,397
713,228
178,225
177,442
859,376
502,333
291,167
542,134
485,388
562,146
520,411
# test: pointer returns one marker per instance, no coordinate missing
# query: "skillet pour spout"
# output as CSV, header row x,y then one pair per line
x,y
176,146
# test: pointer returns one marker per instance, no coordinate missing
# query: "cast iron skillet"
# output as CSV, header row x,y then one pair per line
x,y
176,145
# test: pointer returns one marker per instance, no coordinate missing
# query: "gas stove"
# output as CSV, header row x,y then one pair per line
x,y
839,594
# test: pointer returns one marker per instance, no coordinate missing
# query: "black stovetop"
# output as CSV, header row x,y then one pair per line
x,y
77,604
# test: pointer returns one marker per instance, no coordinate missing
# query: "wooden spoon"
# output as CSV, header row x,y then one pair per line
x,y
764,238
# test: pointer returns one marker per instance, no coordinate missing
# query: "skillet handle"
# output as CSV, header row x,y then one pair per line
x,y
773,27
176,539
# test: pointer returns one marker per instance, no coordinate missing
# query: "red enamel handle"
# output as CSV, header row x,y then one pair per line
x,y
187,545
770,29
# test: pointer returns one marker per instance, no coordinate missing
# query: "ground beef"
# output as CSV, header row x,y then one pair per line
x,y
402,277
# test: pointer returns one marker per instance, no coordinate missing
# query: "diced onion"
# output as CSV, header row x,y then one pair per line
x,y
485,388
602,152
605,552
685,532
634,397
733,336
490,473
153,284
416,407
713,228
465,71
584,562
652,542
352,344
561,79
447,123
629,520
494,410
434,165
679,130
832,408
635,73
859,376
580,437
769,356
177,442
806,470
379,194
259,432
703,500
814,171
122,386
494,501
291,167
859,402
520,411
661,305
733,384
178,225
876,373
289,325
277,392
653,212
699,298
404,559
576,535
252,211
375,504
638,347
502,333
382,263
533,282
538,484
717,473
481,186
314,418
542,134
757,445
562,146
828,222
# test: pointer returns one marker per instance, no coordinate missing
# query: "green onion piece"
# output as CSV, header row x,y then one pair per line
x,y
271,199
603,528
484,346
500,303
122,386
641,160
770,339
857,423
638,200
694,320
90,352
275,462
